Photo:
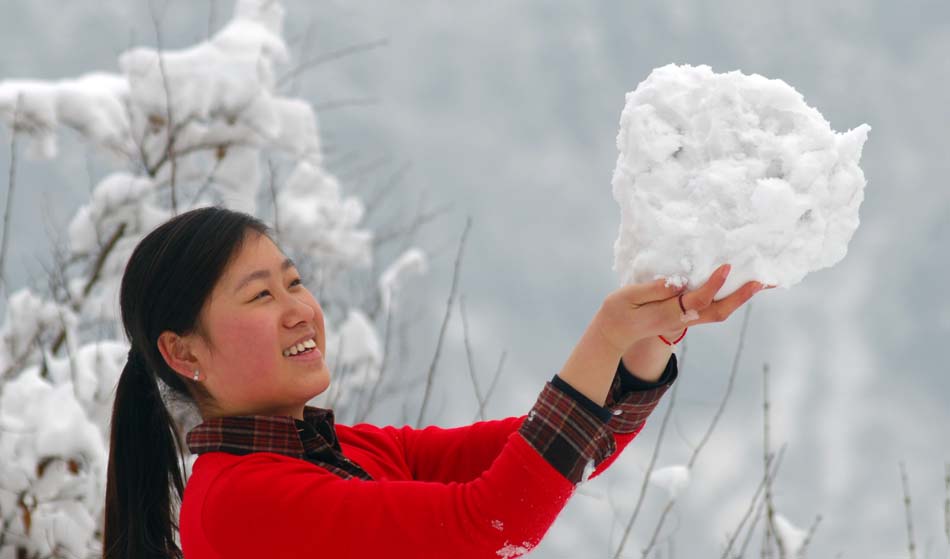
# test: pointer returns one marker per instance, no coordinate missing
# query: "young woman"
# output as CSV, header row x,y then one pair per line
x,y
216,312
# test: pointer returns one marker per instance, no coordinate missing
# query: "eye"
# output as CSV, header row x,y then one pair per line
x,y
261,294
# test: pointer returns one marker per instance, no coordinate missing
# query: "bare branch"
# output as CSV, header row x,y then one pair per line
x,y
10,186
169,115
382,367
448,312
272,188
471,360
342,103
419,221
370,205
808,538
770,531
646,476
332,55
729,386
946,502
752,505
491,387
713,423
212,12
911,543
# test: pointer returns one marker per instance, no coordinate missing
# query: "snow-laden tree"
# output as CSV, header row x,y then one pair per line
x,y
183,129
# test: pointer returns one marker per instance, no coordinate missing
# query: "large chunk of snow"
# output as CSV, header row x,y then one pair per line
x,y
731,168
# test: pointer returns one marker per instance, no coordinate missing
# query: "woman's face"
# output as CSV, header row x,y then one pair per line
x,y
257,310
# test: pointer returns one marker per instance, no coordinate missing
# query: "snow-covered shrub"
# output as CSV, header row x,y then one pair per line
x,y
187,128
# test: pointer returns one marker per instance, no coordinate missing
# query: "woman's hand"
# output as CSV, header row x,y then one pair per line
x,y
638,311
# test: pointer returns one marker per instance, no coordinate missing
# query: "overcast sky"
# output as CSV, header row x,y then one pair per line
x,y
509,112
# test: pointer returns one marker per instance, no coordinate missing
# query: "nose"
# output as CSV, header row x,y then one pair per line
x,y
298,310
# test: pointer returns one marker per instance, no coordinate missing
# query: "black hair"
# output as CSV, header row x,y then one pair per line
x,y
168,278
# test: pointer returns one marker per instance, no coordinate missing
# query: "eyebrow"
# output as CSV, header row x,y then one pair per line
x,y
263,274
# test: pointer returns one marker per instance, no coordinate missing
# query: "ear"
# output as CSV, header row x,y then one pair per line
x,y
177,352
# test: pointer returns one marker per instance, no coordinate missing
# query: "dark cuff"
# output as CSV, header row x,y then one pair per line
x,y
590,405
632,400
630,382
567,434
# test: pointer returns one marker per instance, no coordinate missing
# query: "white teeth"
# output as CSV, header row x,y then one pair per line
x,y
302,346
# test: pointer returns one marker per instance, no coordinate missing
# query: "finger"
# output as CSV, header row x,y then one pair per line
x,y
703,296
722,309
642,293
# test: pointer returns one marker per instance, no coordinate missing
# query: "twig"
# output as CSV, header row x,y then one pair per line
x,y
911,544
96,273
169,116
755,522
10,186
752,505
212,8
646,476
808,538
448,311
332,55
372,203
729,385
382,367
712,424
471,360
946,502
341,103
272,187
491,387
770,531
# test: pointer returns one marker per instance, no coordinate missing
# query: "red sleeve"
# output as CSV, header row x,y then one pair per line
x,y
451,454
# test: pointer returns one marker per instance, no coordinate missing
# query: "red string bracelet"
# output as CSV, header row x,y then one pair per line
x,y
667,342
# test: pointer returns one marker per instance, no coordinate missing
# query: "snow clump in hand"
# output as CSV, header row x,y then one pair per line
x,y
731,168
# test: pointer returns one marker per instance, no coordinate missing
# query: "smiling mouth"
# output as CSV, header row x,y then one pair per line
x,y
306,346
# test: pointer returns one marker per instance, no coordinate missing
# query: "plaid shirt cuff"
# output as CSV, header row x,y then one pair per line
x,y
566,434
631,400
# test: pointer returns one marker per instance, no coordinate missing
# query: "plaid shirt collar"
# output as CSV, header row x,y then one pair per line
x,y
313,439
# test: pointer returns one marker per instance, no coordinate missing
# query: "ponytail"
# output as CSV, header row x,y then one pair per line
x,y
140,521
169,276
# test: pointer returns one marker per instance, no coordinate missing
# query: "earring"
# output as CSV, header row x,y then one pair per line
x,y
196,375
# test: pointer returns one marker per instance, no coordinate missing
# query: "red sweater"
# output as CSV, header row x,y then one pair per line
x,y
478,491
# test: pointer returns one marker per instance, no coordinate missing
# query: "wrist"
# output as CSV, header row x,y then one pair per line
x,y
673,339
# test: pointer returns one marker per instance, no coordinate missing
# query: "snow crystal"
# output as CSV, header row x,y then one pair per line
x,y
793,538
498,525
672,478
511,550
731,168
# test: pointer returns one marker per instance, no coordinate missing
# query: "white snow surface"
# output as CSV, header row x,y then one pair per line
x,y
731,168
673,479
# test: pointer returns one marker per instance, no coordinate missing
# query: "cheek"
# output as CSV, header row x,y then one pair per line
x,y
247,344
